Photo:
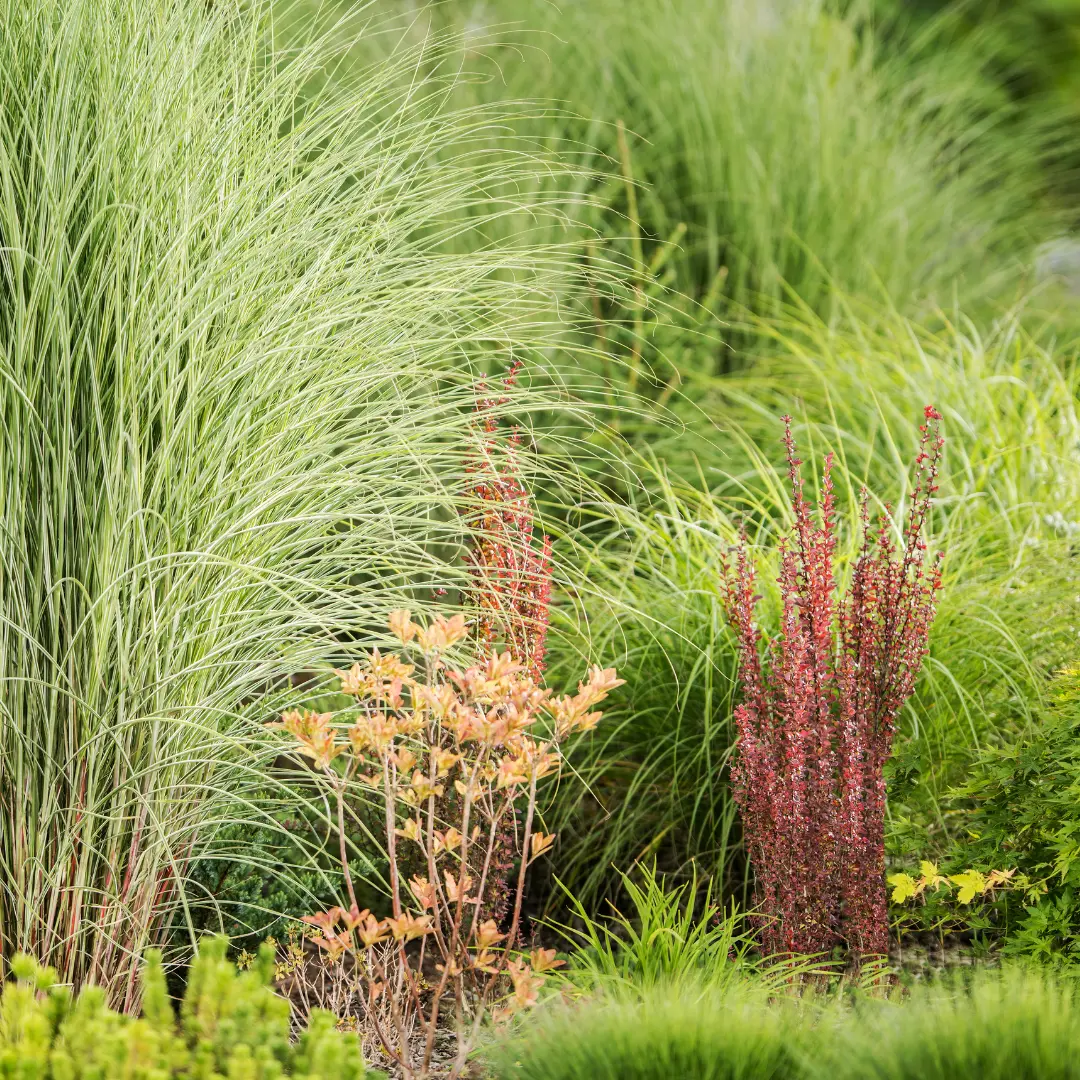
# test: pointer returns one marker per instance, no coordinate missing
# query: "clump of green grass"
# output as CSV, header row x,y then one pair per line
x,y
667,1034
654,783
1010,1024
665,934
780,146
234,377
1002,1025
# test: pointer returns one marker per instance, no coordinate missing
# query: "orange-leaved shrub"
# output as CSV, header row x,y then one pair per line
x,y
491,734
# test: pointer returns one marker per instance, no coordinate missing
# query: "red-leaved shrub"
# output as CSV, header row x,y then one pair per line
x,y
819,708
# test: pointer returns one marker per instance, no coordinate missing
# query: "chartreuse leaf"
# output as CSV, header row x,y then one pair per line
x,y
971,882
904,887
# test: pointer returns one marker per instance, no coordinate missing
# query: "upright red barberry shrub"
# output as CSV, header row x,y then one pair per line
x,y
511,572
819,709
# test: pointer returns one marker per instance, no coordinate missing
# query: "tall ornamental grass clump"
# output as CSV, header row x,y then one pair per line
x,y
233,420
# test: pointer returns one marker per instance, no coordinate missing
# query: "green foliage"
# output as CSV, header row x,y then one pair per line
x,y
793,150
667,1034
1021,811
235,400
665,935
1006,516
996,1025
1003,1026
230,1025
240,889
1030,46
653,784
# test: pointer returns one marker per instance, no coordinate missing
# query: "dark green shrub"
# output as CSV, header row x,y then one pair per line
x,y
230,1025
263,877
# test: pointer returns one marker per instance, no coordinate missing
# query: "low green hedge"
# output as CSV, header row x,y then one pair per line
x,y
231,1025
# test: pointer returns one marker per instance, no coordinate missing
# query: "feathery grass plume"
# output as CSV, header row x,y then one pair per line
x,y
230,344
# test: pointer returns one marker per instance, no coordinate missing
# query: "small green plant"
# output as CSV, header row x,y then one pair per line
x,y
240,889
968,901
1012,874
230,1024
667,935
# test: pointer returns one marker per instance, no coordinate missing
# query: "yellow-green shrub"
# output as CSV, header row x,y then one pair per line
x,y
231,1024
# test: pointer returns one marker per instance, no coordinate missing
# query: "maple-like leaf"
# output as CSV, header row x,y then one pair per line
x,y
904,887
971,882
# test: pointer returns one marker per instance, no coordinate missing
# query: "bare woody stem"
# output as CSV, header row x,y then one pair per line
x,y
519,892
341,841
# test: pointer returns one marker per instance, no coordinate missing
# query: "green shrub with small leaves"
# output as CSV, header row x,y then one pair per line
x,y
1015,862
230,1025
1023,807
